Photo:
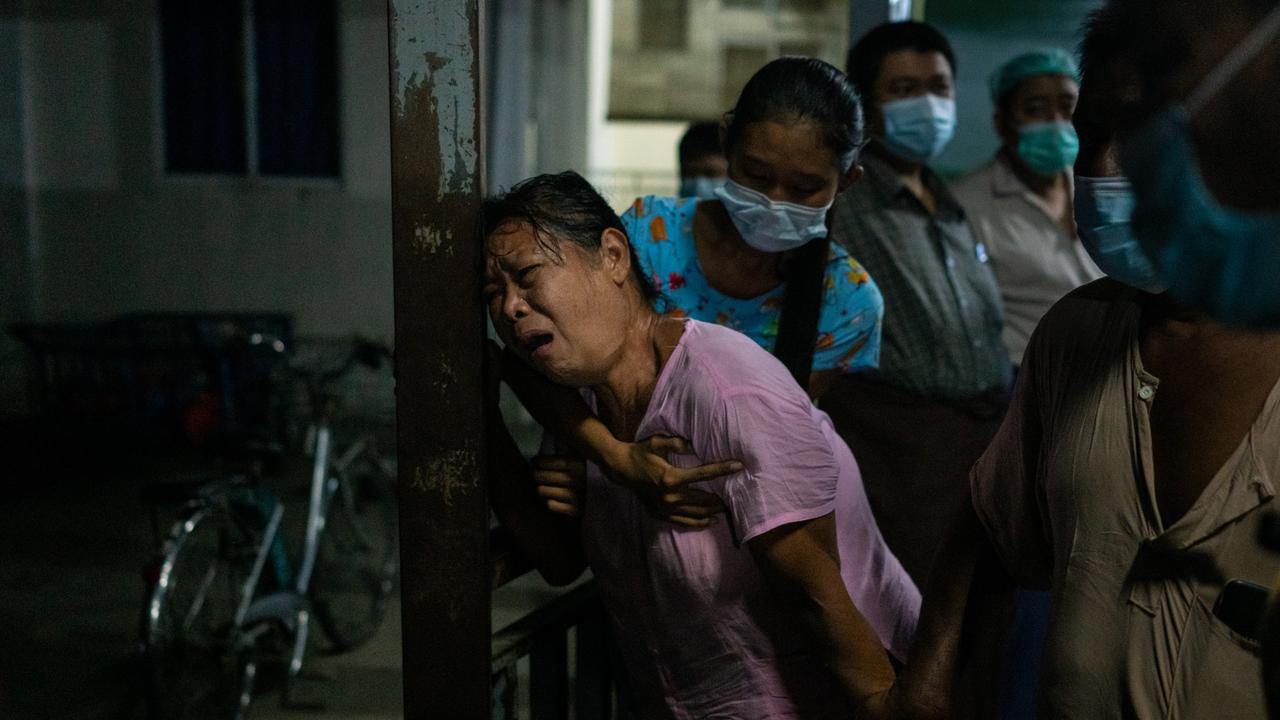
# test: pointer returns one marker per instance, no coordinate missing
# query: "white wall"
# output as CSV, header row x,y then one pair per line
x,y
631,158
111,233
627,158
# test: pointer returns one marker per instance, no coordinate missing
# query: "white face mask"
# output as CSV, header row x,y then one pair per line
x,y
770,226
919,128
701,187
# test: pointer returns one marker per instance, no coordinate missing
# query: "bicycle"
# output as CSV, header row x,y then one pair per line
x,y
225,594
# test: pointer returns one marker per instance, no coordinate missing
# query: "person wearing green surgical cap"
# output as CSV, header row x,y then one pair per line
x,y
1020,205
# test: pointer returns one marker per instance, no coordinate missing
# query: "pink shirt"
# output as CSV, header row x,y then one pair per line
x,y
701,635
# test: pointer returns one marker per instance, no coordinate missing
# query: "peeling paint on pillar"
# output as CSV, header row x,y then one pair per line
x,y
434,60
431,240
450,475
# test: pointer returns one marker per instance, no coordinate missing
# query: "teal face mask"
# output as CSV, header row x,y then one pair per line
x,y
1103,208
1048,148
1224,261
919,128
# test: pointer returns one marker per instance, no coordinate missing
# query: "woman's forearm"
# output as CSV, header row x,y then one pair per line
x,y
639,466
550,542
924,688
803,568
851,648
562,411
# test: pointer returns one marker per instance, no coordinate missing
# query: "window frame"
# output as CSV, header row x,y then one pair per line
x,y
252,176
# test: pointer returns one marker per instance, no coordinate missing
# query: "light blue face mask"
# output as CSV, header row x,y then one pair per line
x,y
1048,148
919,128
1224,261
1103,207
770,226
701,187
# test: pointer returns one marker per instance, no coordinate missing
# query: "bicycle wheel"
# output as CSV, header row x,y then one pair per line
x,y
193,667
358,558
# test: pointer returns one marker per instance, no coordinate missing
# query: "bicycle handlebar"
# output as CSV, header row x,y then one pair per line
x,y
365,352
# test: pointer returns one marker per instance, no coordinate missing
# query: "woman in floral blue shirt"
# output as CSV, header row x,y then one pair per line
x,y
661,230
792,144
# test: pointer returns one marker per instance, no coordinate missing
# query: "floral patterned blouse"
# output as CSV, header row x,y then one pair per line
x,y
661,230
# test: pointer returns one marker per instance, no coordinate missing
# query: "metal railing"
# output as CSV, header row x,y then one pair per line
x,y
543,636
621,186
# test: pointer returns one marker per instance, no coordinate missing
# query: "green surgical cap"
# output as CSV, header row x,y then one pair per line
x,y
1046,61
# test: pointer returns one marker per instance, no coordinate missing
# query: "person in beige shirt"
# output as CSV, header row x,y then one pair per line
x,y
1019,205
1131,477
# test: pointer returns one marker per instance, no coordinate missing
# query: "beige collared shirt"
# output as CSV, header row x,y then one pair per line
x,y
1035,259
1067,496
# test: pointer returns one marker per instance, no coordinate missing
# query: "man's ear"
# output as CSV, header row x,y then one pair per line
x,y
615,252
850,177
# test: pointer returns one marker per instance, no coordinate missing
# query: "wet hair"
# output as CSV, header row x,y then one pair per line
x,y
1103,109
560,208
702,139
1101,42
866,58
796,89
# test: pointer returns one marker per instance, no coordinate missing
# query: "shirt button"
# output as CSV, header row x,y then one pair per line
x,y
951,262
1146,392
977,343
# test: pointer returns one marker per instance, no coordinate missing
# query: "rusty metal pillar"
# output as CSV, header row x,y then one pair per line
x,y
436,190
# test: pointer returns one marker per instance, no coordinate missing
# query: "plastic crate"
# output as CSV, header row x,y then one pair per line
x,y
152,375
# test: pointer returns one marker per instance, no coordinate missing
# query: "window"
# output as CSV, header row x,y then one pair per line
x,y
740,63
250,88
712,48
664,24
805,5
203,87
800,49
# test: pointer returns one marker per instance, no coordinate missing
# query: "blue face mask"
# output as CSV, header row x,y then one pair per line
x,y
1048,148
770,226
1103,207
701,187
1224,261
919,128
